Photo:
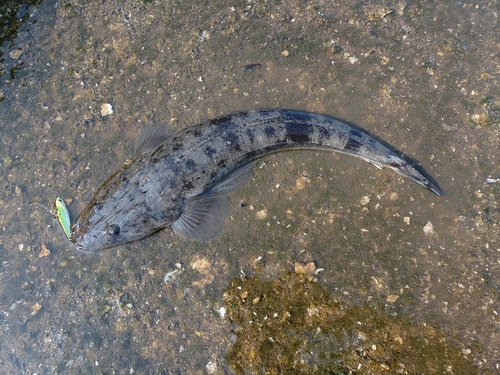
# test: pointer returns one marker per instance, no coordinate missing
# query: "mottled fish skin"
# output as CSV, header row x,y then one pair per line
x,y
184,182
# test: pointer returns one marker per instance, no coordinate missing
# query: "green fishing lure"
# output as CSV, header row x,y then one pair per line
x,y
62,215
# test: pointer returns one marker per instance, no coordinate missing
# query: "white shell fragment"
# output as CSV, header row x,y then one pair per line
x,y
106,109
429,229
15,54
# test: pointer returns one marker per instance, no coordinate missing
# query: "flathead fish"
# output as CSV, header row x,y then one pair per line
x,y
183,180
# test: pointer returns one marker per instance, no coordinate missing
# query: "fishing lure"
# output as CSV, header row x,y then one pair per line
x,y
62,215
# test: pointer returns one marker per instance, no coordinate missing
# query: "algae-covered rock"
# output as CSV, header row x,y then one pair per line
x,y
291,325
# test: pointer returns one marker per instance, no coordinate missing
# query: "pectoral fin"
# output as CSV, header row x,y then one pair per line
x,y
203,217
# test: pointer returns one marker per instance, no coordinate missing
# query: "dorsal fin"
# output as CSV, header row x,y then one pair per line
x,y
150,138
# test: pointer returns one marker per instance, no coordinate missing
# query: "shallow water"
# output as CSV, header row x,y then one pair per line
x,y
424,78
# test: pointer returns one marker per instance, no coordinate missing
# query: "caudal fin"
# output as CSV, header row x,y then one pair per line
x,y
407,170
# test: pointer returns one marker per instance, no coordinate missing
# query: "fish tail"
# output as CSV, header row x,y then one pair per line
x,y
405,169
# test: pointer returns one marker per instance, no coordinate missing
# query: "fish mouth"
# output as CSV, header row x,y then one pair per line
x,y
81,247
78,239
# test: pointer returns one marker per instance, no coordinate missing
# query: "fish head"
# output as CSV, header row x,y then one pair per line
x,y
126,213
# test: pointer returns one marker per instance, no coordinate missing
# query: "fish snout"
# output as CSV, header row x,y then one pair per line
x,y
78,237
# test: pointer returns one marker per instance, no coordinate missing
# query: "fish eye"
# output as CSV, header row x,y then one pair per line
x,y
113,229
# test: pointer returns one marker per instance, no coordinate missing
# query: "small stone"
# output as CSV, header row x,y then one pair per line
x,y
261,215
393,196
406,220
365,200
205,280
211,367
15,54
378,14
353,60
392,298
202,265
106,109
479,118
285,53
485,76
171,276
222,312
429,229
44,252
308,269
300,183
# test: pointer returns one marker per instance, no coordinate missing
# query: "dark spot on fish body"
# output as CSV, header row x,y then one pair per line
x,y
324,134
352,145
187,185
177,147
222,120
190,164
394,164
355,133
213,175
269,131
210,151
298,138
298,128
232,140
297,117
231,137
168,164
251,135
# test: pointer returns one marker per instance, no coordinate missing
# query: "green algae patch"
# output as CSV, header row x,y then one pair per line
x,y
291,325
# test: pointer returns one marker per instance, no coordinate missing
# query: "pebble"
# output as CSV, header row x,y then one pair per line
x,y
171,276
36,307
300,183
393,196
261,215
429,229
15,54
305,269
365,200
44,252
202,265
106,109
392,298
